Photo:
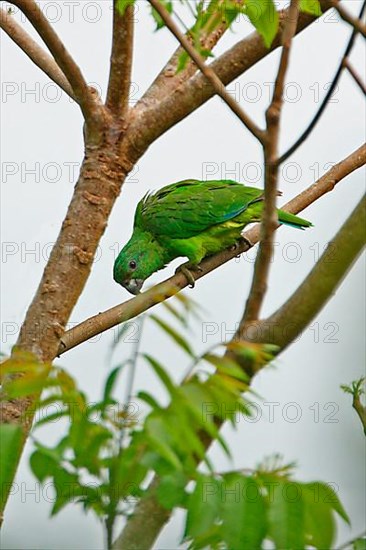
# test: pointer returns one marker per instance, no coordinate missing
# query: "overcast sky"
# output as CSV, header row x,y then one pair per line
x,y
303,414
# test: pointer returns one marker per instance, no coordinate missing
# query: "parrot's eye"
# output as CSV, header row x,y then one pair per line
x,y
132,264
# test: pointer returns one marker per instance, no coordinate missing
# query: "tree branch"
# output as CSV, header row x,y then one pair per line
x,y
131,308
355,76
270,219
121,61
327,97
283,326
357,24
39,57
207,71
85,96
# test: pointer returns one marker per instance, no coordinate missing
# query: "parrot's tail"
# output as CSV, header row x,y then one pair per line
x,y
294,221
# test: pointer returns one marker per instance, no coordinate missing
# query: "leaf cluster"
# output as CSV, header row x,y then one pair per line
x,y
209,16
236,510
105,459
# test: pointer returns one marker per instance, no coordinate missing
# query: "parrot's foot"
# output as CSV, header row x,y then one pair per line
x,y
247,242
187,269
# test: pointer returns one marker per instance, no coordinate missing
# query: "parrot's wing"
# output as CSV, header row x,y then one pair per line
x,y
185,209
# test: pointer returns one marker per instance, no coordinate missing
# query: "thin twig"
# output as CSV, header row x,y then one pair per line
x,y
84,95
327,97
207,71
356,77
346,16
360,410
132,364
121,60
270,220
131,308
169,79
30,47
349,543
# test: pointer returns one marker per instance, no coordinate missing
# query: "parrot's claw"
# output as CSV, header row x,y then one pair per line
x,y
188,273
234,247
245,241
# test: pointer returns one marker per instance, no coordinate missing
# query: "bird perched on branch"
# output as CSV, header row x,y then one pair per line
x,y
193,219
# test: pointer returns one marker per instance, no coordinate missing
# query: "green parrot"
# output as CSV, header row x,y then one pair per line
x,y
189,218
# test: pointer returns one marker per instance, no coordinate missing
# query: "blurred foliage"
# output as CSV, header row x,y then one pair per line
x,y
359,544
109,449
210,15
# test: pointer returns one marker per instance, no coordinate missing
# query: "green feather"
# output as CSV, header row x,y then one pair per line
x,y
186,208
293,221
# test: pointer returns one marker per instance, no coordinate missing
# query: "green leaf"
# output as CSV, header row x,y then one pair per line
x,y
231,10
203,506
42,465
130,471
26,385
286,514
174,335
184,432
170,491
311,6
182,61
32,374
227,402
252,356
66,486
211,539
149,399
325,493
359,544
242,512
122,330
110,383
22,362
91,498
168,5
11,437
122,5
355,388
174,311
161,373
196,395
319,520
226,366
160,439
89,442
264,17
190,305
50,418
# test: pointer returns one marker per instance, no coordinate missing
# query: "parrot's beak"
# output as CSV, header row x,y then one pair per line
x,y
133,285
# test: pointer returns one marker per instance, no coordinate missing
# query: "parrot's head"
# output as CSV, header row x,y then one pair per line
x,y
141,257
